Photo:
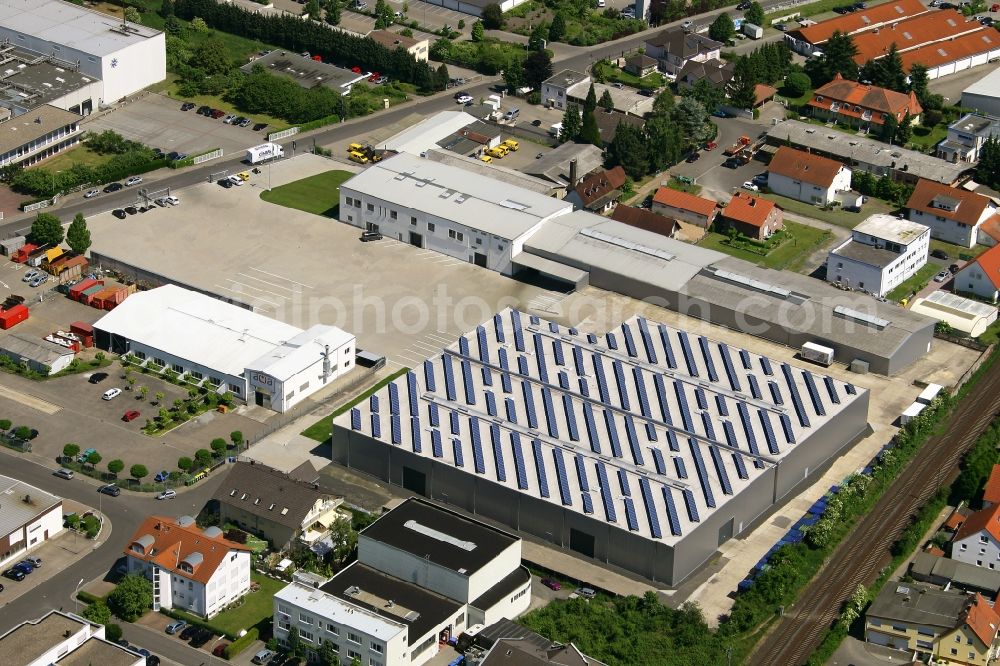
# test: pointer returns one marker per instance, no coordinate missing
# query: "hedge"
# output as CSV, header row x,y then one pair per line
x,y
88,598
195,620
241,643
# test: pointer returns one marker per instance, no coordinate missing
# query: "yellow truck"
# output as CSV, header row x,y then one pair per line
x,y
511,144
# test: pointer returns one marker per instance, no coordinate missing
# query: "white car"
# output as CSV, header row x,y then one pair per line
x,y
750,186
111,394
91,194
169,200
235,180
687,25
463,99
167,494
134,180
942,276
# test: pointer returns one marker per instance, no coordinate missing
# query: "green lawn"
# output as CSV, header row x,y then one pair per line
x,y
928,137
257,606
690,188
320,431
609,73
319,194
788,256
914,283
954,252
838,216
79,155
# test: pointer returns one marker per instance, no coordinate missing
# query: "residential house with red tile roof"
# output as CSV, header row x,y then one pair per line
x,y
974,641
807,177
989,232
645,219
810,38
862,105
751,216
199,571
977,541
953,214
981,276
598,191
685,207
991,491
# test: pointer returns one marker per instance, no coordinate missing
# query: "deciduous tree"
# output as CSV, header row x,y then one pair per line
x,y
115,466
537,68
47,229
71,451
572,123
131,598
755,14
629,150
78,235
138,472
493,16
722,28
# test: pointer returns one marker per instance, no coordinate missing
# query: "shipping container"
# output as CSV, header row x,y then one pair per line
x,y
22,253
73,269
51,255
89,292
36,257
80,287
13,317
911,412
95,298
84,331
753,31
11,245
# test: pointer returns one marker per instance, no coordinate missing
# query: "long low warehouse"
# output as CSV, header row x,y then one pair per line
x,y
644,448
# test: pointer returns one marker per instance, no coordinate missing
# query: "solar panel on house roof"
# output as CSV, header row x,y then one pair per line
x,y
602,384
581,473
630,518
640,389
609,505
543,372
775,393
376,426
453,417
745,357
817,400
498,328
592,436
543,481
463,345
432,414
557,353
436,447
491,404
661,396
478,461
588,503
470,388
650,504
501,469
529,405
765,365
706,421
831,389
578,361
650,432
550,412
680,467
720,470
672,441
702,472
428,377
727,363
786,426
395,429
647,341
741,468
709,363
688,355
612,341
609,422
672,518
557,457
691,505
699,397
515,318
415,434
721,405
793,391
456,445
616,366
730,434
393,399
449,376
522,366
754,387
373,403
633,440
487,376
683,404
751,438
502,358
765,423
505,383
658,462
355,419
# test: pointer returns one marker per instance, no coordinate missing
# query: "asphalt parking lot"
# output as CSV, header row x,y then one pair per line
x,y
158,122
57,553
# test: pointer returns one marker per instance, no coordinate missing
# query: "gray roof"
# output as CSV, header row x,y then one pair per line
x,y
510,644
451,193
31,639
931,568
972,123
424,135
492,170
27,127
607,123
307,72
566,78
716,71
99,651
682,44
987,86
255,488
919,604
43,82
855,148
70,25
554,165
866,254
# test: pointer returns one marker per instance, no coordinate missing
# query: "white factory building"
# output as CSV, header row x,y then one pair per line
x,y
424,573
29,517
881,253
447,209
125,57
257,359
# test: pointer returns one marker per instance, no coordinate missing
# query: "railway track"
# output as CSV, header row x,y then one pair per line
x,y
865,551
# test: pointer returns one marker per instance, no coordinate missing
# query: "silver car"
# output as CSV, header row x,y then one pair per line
x,y
91,194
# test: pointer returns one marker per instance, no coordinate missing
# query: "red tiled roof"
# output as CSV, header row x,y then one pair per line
x,y
982,620
940,53
803,166
954,521
851,95
172,544
644,219
748,209
684,201
599,184
912,33
863,20
970,205
984,519
763,92
991,492
992,227
989,264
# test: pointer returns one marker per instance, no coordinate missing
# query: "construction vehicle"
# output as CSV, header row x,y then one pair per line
x,y
371,153
740,144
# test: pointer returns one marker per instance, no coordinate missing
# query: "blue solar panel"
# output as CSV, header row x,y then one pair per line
x,y
449,377
616,365
456,447
720,470
793,390
721,405
415,434
727,362
498,327
574,433
572,331
491,404
550,412
591,338
672,518
484,345
817,399
581,473
730,433
831,389
436,444
428,376
706,421
745,358
477,446
584,387
543,372
463,345
470,388
647,341
692,508
534,319
680,467
640,389
395,429
606,497
588,503
543,482
502,356
505,382
522,365
515,320
688,355
602,385
850,389
355,418
612,342
786,426
661,396
609,422
578,361
700,398
373,403
775,393
630,517
633,440
765,365
563,480
497,452
588,420
672,441
661,467
667,347
702,471
529,405
563,380
650,432
709,363
765,422
741,407
557,353
624,484
522,474
432,414
629,341
553,327
411,389
741,468
487,376
754,387
376,426
393,398
683,404
511,409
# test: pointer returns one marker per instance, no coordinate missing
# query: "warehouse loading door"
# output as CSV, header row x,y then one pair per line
x,y
262,398
726,531
480,259
581,542
414,481
416,239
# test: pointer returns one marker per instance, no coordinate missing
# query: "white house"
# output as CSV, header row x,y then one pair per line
x,y
195,570
674,48
63,639
447,209
806,177
966,137
953,214
882,252
29,517
977,541
560,87
981,277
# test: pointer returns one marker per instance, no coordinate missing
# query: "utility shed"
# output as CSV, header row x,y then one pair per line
x,y
39,355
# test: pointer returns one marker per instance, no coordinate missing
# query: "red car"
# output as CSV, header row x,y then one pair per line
x,y
130,415
356,70
375,75
711,145
551,583
220,649
217,113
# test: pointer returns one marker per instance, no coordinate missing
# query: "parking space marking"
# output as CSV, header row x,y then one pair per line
x,y
29,400
547,302
281,277
240,293
253,288
276,286
411,359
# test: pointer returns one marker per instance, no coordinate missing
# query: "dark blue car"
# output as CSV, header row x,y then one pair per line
x,y
162,476
24,567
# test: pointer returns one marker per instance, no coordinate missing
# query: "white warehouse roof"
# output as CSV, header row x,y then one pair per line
x,y
70,25
452,193
424,135
14,511
326,605
648,428
300,352
205,330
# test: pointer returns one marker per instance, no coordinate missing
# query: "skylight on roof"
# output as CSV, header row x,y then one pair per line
x,y
942,53
439,536
751,283
907,35
507,203
627,244
863,317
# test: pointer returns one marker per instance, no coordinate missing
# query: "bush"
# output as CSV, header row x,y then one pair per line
x,y
796,84
98,612
113,632
241,643
5,424
131,598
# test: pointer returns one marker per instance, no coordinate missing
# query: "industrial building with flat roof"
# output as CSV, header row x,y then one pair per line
x,y
644,448
63,639
32,137
29,517
126,57
28,81
305,71
984,94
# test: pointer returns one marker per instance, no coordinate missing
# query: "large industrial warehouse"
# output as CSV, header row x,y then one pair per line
x,y
645,448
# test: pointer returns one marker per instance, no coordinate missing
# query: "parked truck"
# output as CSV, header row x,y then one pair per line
x,y
753,31
22,253
740,144
263,152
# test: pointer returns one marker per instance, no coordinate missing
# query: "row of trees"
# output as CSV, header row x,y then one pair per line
x,y
47,229
580,125
769,63
882,188
669,132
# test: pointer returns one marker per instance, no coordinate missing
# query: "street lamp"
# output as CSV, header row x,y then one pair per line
x,y
76,598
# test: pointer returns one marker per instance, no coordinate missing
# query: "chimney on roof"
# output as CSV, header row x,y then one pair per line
x,y
572,173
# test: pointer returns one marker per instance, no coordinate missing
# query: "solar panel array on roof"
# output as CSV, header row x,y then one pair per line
x,y
633,441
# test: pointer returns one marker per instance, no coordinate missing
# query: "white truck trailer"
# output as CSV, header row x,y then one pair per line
x,y
263,152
